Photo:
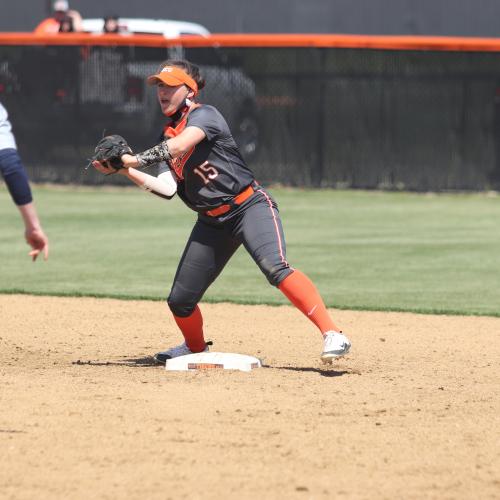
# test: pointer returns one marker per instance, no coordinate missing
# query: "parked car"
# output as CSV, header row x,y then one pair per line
x,y
165,27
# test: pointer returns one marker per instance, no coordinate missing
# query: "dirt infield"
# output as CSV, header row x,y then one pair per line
x,y
412,413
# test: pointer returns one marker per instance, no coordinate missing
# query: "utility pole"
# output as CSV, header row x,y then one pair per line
x,y
48,7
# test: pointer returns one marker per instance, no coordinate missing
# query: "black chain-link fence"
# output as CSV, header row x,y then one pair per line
x,y
303,116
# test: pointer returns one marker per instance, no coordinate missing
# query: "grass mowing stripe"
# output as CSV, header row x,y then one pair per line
x,y
364,250
247,302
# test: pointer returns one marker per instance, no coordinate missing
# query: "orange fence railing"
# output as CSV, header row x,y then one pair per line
x,y
434,43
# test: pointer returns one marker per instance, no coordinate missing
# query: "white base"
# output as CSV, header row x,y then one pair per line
x,y
213,360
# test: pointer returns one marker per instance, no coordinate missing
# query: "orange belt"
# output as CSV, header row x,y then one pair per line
x,y
237,200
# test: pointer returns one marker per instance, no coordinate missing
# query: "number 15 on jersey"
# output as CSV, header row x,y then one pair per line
x,y
206,171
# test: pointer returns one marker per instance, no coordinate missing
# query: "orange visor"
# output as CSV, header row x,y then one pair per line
x,y
173,76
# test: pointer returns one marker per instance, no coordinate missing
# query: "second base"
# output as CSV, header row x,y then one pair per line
x,y
213,360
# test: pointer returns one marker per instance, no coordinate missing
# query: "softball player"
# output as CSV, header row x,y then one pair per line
x,y
199,159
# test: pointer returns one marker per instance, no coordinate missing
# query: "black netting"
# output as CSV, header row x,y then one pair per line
x,y
303,116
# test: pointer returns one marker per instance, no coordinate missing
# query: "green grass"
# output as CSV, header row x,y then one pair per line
x,y
364,250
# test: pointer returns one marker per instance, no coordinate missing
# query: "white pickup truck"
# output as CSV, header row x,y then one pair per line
x,y
166,27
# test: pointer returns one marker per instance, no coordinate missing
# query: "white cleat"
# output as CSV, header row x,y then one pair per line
x,y
175,352
335,345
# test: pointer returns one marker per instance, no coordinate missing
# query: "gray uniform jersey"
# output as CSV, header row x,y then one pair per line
x,y
213,172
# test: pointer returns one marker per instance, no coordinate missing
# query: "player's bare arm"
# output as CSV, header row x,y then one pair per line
x,y
164,186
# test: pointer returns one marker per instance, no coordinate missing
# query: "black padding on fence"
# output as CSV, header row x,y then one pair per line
x,y
303,116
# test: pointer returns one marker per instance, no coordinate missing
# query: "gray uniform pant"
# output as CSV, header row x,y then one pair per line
x,y
256,224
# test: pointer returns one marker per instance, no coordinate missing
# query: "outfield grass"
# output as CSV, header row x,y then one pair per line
x,y
364,250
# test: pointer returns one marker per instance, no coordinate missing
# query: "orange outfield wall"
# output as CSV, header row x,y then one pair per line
x,y
434,43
